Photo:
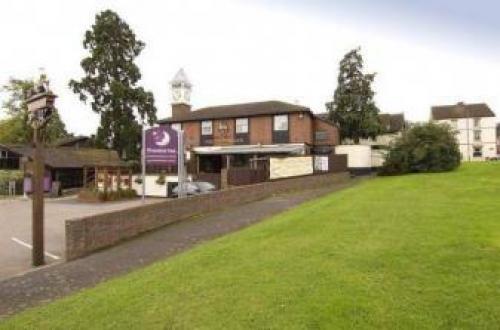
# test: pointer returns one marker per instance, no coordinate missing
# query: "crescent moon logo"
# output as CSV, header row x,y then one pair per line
x,y
163,140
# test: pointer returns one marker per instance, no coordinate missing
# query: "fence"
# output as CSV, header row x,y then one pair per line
x,y
245,176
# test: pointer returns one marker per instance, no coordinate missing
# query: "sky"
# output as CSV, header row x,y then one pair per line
x,y
424,52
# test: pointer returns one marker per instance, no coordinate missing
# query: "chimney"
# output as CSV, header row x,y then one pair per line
x,y
179,110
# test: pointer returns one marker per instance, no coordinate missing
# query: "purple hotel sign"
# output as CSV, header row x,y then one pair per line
x,y
161,146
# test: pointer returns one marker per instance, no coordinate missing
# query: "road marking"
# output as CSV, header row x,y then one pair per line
x,y
48,254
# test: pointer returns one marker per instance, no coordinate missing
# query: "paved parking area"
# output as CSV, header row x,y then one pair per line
x,y
15,229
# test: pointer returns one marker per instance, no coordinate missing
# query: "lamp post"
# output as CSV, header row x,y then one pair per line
x,y
40,104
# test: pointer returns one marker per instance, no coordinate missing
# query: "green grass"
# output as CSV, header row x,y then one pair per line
x,y
411,252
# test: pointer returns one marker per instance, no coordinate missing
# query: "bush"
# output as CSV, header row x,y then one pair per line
x,y
95,195
10,175
423,148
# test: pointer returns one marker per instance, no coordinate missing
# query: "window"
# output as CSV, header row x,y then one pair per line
x,y
478,152
206,127
241,125
454,123
3,154
176,126
477,122
320,136
477,135
281,123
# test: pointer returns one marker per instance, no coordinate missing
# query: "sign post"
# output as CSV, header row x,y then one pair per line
x,y
180,165
143,161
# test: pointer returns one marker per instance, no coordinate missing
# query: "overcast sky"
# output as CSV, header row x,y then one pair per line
x,y
424,52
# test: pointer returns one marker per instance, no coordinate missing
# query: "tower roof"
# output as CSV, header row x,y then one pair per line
x,y
181,78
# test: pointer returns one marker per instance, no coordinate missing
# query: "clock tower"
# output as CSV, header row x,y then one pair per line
x,y
181,94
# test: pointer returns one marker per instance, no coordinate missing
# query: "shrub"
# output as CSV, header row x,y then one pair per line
x,y
99,195
423,148
10,175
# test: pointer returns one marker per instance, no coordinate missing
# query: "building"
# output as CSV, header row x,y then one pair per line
x,y
475,125
75,142
498,140
392,126
62,164
245,135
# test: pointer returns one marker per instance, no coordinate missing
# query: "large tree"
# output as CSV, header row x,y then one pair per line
x,y
15,129
353,107
110,80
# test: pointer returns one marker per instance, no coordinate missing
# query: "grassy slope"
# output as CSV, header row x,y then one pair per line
x,y
420,251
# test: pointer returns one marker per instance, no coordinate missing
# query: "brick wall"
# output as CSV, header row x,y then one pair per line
x,y
192,131
89,234
223,132
332,133
261,130
300,128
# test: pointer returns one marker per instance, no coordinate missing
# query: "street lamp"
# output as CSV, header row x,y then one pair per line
x,y
40,104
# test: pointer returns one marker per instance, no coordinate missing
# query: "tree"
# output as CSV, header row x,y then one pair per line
x,y
110,80
353,107
15,129
426,147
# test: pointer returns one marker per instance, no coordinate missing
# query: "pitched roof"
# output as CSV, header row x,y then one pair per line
x,y
238,110
392,123
66,142
180,78
68,157
461,110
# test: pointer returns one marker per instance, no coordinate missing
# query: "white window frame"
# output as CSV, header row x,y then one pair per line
x,y
279,123
206,127
176,126
480,151
454,123
241,125
477,138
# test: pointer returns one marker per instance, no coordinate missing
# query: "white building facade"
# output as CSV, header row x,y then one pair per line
x,y
475,126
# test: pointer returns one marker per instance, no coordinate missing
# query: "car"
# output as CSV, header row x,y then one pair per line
x,y
195,188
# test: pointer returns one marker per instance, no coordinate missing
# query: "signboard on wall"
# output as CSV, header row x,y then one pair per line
x,y
161,146
285,167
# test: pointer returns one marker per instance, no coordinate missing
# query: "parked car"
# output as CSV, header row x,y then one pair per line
x,y
195,188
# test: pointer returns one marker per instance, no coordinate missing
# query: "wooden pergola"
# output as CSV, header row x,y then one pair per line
x,y
107,172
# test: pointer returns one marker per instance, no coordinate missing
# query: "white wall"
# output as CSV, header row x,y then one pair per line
x,y
465,137
152,188
358,156
285,167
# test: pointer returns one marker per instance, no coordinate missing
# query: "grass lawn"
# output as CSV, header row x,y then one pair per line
x,y
418,251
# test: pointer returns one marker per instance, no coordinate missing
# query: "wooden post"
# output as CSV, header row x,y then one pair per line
x,y
96,181
119,179
129,178
85,174
37,210
105,181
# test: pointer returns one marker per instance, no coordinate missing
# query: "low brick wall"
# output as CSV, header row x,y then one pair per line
x,y
86,235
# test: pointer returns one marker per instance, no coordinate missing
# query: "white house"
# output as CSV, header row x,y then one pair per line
x,y
475,125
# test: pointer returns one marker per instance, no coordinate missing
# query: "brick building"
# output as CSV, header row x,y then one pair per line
x,y
245,135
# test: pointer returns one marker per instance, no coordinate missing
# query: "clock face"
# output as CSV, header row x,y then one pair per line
x,y
177,95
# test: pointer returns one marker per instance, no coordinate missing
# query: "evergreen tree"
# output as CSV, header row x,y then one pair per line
x,y
15,129
110,80
353,107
